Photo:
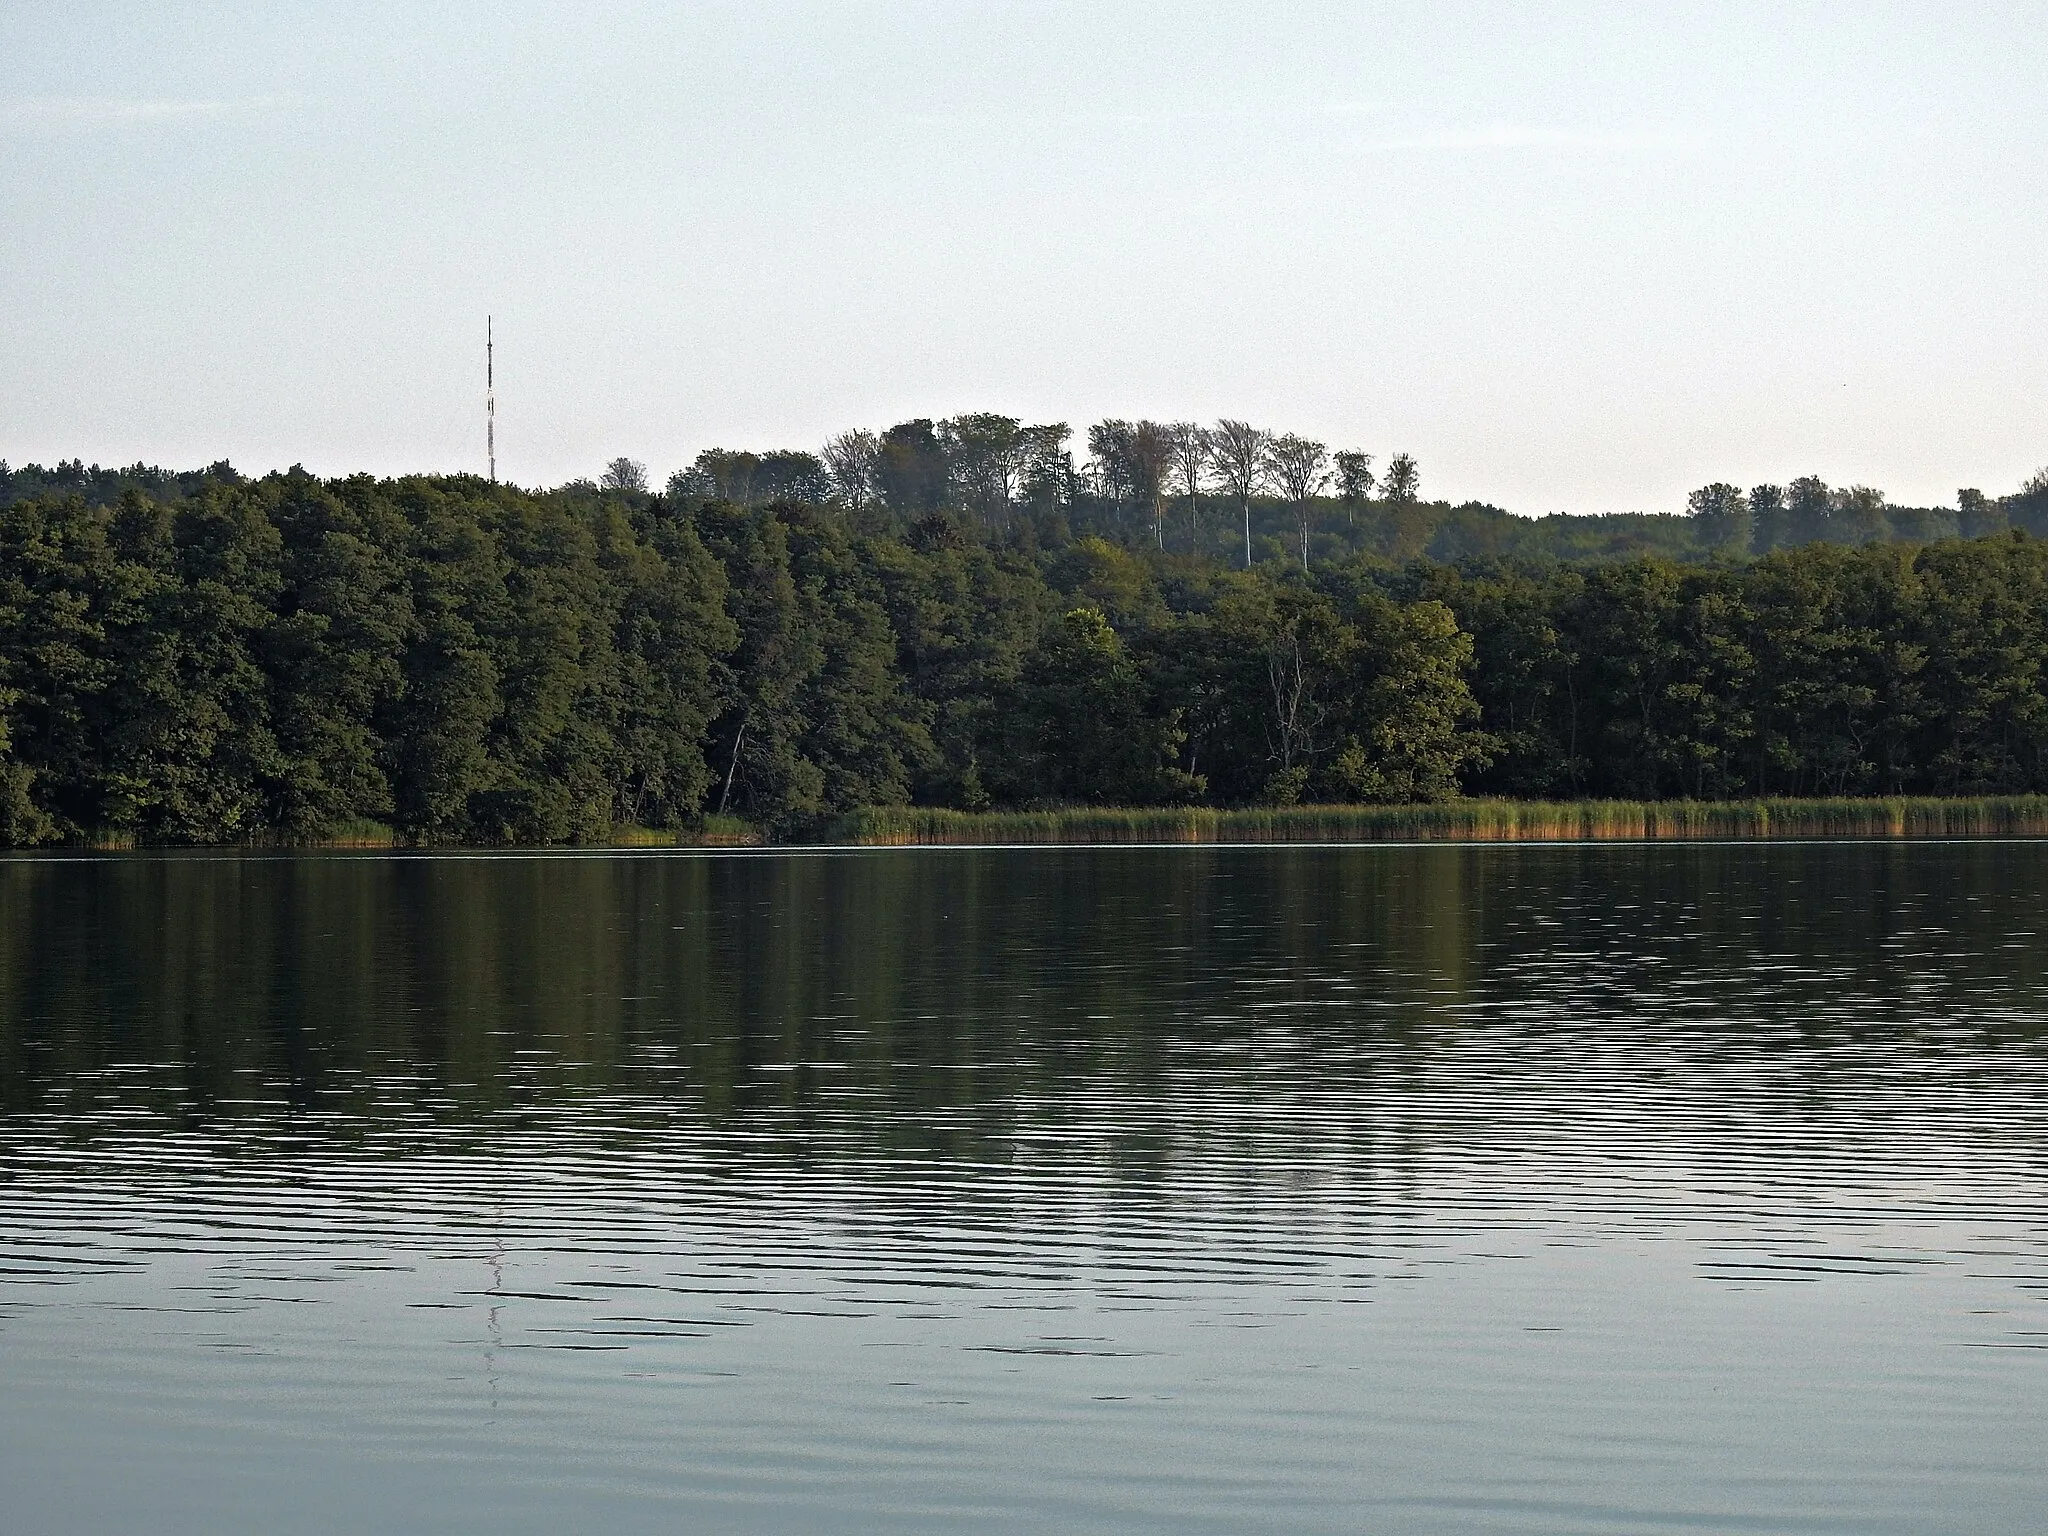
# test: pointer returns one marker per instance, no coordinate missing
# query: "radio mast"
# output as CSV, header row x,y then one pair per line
x,y
490,402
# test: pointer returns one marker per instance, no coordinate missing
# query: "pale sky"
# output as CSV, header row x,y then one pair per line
x,y
1574,257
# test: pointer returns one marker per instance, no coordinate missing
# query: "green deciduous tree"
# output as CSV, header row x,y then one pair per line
x,y
1300,467
1723,517
1237,451
1079,724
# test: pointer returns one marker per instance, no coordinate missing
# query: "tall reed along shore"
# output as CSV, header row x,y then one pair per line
x,y
1453,821
1459,821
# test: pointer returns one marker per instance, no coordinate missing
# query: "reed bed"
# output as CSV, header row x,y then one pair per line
x,y
347,834
1452,821
358,834
715,832
724,832
1476,821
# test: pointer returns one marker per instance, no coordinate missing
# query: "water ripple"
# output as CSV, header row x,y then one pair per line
x,y
1429,1189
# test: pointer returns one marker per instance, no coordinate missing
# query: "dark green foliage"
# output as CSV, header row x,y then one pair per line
x,y
671,634
1297,693
334,653
203,658
1078,725
281,658
1887,669
964,616
816,716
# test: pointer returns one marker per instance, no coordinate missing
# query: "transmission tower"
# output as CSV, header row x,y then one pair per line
x,y
490,401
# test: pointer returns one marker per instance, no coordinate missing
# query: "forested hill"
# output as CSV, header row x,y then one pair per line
x,y
1201,492
203,658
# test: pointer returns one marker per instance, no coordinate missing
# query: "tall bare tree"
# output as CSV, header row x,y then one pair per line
x,y
1190,467
624,474
1300,467
1238,451
1151,450
1109,463
1045,470
850,459
1132,459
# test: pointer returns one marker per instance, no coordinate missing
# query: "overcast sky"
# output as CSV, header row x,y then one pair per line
x,y
1574,257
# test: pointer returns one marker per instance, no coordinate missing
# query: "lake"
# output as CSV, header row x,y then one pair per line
x,y
1630,1188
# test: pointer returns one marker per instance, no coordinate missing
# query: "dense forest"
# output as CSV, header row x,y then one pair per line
x,y
954,614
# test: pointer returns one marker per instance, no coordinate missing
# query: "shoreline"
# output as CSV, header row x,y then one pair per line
x,y
1454,821
1463,821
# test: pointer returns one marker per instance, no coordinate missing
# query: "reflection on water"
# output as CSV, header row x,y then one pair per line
x,y
1425,1189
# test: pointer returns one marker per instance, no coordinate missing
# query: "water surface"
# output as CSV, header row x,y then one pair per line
x,y
1439,1189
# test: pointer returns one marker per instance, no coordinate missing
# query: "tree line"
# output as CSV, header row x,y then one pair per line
x,y
205,658
1230,492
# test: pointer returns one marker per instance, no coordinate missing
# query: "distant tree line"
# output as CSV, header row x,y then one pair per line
x,y
1731,521
1229,492
205,658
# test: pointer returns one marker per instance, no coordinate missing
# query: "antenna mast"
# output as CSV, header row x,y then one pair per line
x,y
490,401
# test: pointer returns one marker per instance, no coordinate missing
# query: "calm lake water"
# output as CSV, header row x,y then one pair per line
x,y
1686,1188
